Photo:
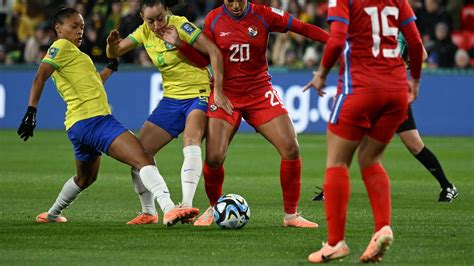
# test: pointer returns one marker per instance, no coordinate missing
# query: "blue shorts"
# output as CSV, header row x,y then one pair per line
x,y
94,135
171,114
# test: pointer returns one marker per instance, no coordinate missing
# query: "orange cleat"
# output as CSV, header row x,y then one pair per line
x,y
298,221
328,253
379,243
45,218
179,213
144,218
206,218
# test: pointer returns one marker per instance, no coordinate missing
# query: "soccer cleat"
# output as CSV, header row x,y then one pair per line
x,y
144,218
206,218
319,195
299,221
46,218
179,213
448,194
379,243
328,253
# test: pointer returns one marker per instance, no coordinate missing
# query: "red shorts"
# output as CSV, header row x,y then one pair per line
x,y
257,109
376,115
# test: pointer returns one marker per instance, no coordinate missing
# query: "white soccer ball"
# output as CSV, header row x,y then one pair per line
x,y
231,212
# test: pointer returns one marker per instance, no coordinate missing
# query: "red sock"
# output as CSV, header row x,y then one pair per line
x,y
290,180
378,187
213,181
336,198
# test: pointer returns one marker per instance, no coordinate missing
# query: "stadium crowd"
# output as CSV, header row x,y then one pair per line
x,y
447,29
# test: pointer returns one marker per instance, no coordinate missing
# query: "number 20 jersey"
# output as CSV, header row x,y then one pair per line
x,y
371,56
243,43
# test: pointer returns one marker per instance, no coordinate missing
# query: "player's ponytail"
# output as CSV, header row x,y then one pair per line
x,y
61,15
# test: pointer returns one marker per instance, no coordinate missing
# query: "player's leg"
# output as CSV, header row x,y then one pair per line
x,y
195,128
411,138
86,175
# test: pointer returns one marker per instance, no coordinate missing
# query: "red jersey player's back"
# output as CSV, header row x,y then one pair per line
x,y
371,57
243,43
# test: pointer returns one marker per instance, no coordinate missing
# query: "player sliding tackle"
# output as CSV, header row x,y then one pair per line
x,y
240,30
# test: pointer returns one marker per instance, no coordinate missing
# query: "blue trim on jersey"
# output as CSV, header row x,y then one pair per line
x,y
336,110
340,19
347,78
261,19
290,21
215,20
407,21
239,17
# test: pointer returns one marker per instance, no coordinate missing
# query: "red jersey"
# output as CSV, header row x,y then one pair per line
x,y
371,56
243,44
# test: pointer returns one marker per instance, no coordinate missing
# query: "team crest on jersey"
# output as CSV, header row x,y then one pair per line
x,y
278,11
253,31
168,45
188,28
52,52
213,107
332,3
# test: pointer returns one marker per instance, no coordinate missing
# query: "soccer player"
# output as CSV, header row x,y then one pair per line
x,y
89,123
240,30
372,101
186,92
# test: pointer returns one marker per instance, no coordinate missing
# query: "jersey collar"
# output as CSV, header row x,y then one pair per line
x,y
235,17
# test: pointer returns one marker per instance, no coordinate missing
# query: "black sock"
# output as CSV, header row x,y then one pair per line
x,y
429,160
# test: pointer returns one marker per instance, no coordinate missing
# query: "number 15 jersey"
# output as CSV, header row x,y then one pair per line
x,y
243,44
371,56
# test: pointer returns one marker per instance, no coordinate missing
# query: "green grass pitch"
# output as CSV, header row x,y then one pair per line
x,y
32,173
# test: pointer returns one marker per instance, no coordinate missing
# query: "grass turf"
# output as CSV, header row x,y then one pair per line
x,y
32,174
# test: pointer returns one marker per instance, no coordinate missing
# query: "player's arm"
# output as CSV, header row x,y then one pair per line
x,y
111,67
416,53
333,50
117,46
28,123
310,31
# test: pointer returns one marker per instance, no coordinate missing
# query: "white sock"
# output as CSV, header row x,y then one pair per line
x,y
190,173
146,198
67,195
155,183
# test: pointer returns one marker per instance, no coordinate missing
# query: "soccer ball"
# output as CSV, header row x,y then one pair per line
x,y
231,212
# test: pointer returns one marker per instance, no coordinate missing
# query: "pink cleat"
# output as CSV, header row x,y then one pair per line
x,y
46,218
206,218
298,221
328,253
379,243
179,213
144,218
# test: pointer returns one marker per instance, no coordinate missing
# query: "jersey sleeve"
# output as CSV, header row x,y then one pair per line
x,y
338,10
187,31
58,55
278,20
137,36
207,27
406,14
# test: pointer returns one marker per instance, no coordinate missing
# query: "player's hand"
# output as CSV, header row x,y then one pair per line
x,y
113,38
28,124
221,101
318,82
413,88
170,34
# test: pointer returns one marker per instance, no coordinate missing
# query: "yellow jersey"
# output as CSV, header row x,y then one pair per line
x,y
181,79
77,81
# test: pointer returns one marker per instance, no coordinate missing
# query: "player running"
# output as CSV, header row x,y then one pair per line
x,y
89,123
240,30
371,103
186,90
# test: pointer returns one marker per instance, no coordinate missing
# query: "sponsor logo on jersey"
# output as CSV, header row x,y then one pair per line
x,y
332,3
253,31
224,33
52,52
188,28
278,11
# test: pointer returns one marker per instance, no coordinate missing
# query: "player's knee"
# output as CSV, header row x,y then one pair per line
x,y
214,160
290,152
143,160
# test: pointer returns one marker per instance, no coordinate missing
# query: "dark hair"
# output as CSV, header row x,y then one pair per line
x,y
172,5
63,13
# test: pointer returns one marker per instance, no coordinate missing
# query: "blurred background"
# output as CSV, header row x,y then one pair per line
x,y
447,29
